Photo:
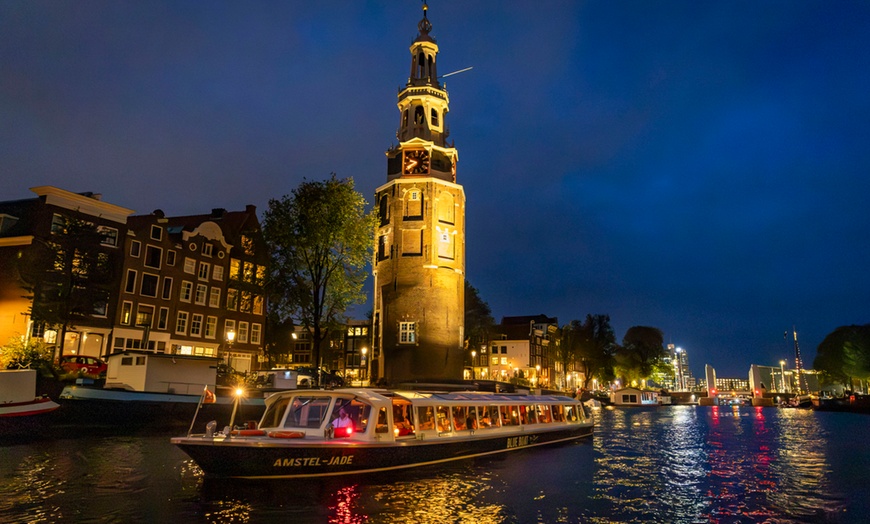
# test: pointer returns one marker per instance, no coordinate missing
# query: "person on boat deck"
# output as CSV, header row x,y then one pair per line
x,y
343,420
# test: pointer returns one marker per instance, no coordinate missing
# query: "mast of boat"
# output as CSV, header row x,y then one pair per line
x,y
798,362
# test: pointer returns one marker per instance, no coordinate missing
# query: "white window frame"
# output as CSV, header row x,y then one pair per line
x,y
181,322
166,292
211,327
156,286
126,312
163,318
242,333
196,325
186,289
214,297
201,294
189,266
407,332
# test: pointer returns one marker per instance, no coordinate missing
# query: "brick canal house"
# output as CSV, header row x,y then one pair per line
x,y
113,282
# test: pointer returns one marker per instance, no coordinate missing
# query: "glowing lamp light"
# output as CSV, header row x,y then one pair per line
x,y
240,392
344,432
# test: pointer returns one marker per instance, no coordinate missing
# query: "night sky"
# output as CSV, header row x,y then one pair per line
x,y
700,167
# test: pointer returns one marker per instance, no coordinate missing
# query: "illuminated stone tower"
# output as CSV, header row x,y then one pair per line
x,y
419,263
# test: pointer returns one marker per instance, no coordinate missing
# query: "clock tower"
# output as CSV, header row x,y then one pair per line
x,y
419,262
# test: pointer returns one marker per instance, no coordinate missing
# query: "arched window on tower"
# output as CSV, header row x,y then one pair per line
x,y
446,208
419,116
384,210
405,118
421,65
431,69
414,204
435,118
384,246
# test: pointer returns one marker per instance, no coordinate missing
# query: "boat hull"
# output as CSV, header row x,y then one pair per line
x,y
89,406
263,457
851,404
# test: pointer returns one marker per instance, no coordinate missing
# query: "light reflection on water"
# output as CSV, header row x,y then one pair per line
x,y
673,464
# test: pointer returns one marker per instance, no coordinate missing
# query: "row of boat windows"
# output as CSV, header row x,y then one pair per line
x,y
445,419
309,412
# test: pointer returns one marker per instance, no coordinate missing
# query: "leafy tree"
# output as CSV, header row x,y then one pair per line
x,y
70,276
34,354
320,239
597,348
588,347
844,354
642,349
478,319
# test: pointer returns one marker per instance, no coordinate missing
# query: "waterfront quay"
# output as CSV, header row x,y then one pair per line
x,y
674,464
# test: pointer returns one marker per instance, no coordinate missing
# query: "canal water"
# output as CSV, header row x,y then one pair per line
x,y
670,465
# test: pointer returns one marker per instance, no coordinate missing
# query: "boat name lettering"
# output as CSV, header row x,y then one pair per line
x,y
517,442
337,460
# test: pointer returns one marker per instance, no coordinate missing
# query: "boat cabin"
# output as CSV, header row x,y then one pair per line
x,y
367,414
635,397
160,372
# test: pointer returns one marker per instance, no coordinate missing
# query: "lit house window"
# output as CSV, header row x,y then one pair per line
x,y
407,332
186,291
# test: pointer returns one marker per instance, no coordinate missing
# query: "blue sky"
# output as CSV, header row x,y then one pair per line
x,y
700,167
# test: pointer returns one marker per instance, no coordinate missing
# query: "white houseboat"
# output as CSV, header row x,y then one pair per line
x,y
317,433
638,397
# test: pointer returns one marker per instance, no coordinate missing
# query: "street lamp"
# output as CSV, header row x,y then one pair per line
x,y
537,371
473,373
364,364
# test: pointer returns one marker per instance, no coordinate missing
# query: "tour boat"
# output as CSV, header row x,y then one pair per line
x,y
319,433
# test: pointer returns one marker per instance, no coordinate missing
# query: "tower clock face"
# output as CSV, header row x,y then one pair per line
x,y
416,162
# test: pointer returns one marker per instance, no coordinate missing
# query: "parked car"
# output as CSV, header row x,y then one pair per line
x,y
83,364
306,378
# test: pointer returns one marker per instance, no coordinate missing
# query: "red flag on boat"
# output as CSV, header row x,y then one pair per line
x,y
208,396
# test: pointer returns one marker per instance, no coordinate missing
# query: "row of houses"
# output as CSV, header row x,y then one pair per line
x,y
189,285
92,278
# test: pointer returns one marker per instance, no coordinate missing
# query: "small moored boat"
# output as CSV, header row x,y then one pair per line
x,y
316,433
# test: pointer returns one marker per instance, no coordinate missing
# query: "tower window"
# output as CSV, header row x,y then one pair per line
x,y
414,205
383,247
407,332
405,118
419,115
412,242
421,64
446,208
445,245
435,118
384,210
